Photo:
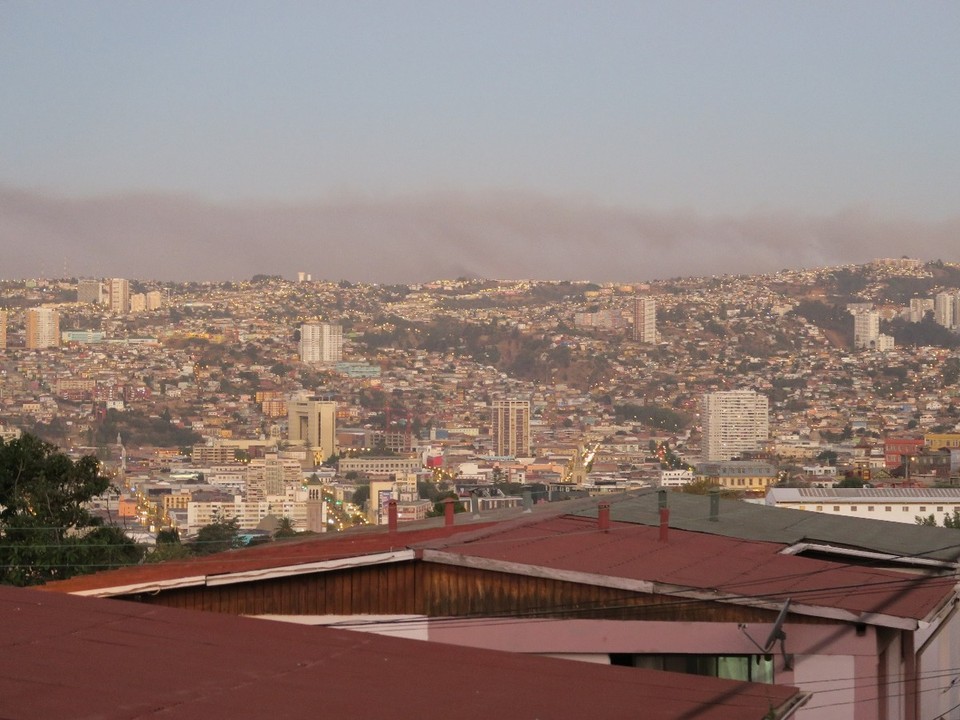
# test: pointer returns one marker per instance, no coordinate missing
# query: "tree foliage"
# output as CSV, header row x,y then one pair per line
x,y
285,528
652,416
46,532
216,537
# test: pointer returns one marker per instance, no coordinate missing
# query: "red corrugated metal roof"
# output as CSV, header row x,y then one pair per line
x,y
70,657
749,568
273,555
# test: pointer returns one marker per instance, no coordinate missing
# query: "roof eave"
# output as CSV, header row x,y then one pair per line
x,y
156,586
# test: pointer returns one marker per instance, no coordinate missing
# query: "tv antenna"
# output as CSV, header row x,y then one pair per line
x,y
776,633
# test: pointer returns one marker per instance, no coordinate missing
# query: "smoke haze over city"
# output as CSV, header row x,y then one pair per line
x,y
419,238
389,143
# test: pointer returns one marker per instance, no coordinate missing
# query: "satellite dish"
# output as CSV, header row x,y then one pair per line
x,y
776,633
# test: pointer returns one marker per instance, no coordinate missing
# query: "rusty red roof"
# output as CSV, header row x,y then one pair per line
x,y
711,563
284,553
716,564
70,657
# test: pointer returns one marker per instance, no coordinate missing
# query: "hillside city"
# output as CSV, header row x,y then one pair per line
x,y
472,388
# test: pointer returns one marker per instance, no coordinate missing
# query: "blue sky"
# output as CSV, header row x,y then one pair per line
x,y
719,109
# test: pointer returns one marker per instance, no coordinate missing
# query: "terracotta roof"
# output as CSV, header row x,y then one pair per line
x,y
68,657
715,564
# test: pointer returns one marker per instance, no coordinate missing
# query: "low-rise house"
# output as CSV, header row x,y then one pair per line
x,y
56,649
720,587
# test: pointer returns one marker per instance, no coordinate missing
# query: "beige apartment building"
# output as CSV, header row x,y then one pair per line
x,y
42,328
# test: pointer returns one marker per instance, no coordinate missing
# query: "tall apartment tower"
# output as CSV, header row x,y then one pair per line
x,y
510,427
90,291
154,300
734,422
644,319
313,422
321,343
919,307
43,328
943,309
118,295
866,329
3,329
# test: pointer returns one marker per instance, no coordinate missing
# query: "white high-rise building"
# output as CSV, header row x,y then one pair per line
x,y
645,319
919,307
118,295
43,328
943,306
734,422
154,300
866,329
321,343
90,291
510,427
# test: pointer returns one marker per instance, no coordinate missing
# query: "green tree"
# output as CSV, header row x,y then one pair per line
x,y
218,536
439,507
168,547
361,495
850,482
828,456
285,528
952,521
46,532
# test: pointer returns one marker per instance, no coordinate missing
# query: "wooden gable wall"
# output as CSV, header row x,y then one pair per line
x,y
438,590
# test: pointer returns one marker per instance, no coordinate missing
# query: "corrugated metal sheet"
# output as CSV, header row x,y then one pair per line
x,y
708,562
274,555
750,521
66,657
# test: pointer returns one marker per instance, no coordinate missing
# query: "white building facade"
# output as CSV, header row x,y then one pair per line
x,y
321,343
734,422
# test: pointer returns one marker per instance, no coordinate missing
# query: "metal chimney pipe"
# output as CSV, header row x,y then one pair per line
x,y
527,500
664,523
392,515
661,498
449,505
603,516
714,504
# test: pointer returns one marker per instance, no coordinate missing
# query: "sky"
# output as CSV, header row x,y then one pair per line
x,y
404,141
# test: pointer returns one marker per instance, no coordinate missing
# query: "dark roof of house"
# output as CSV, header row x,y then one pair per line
x,y
752,521
63,656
